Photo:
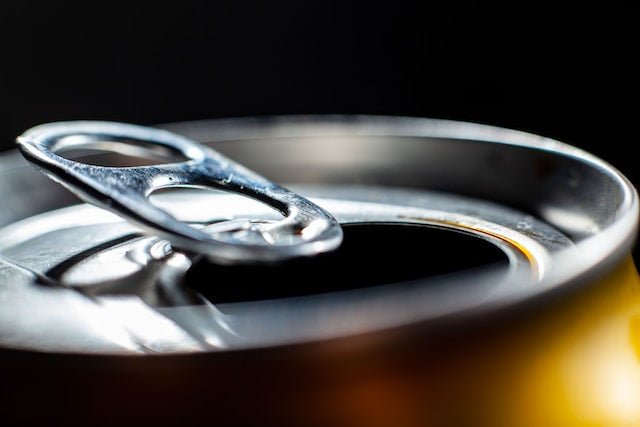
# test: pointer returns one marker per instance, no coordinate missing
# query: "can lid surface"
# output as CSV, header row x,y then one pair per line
x,y
527,217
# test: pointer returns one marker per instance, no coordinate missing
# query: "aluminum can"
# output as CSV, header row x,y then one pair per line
x,y
485,278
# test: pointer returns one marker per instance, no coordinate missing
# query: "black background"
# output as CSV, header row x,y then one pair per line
x,y
560,71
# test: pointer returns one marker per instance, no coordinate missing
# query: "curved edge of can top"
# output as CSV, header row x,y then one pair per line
x,y
597,254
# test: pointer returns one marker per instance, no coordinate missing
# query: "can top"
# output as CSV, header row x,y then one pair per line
x,y
556,216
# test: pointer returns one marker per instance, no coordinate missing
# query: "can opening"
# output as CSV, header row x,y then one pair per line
x,y
371,254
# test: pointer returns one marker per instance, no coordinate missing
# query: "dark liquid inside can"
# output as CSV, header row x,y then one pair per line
x,y
370,255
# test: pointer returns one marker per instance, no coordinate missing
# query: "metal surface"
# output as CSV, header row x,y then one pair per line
x,y
559,215
102,324
101,263
306,230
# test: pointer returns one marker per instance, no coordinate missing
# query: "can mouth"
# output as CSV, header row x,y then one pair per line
x,y
440,218
372,254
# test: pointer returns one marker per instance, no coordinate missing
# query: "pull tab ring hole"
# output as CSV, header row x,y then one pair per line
x,y
110,151
204,207
215,212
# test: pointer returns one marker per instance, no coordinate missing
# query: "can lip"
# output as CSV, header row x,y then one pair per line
x,y
598,252
601,248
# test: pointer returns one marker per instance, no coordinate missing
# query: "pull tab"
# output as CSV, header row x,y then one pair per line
x,y
305,230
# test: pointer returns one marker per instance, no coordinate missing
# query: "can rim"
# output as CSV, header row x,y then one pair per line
x,y
603,250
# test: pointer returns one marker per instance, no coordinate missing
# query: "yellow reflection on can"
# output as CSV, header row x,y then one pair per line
x,y
586,369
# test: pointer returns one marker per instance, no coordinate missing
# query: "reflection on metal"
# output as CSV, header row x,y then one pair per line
x,y
549,337
110,261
